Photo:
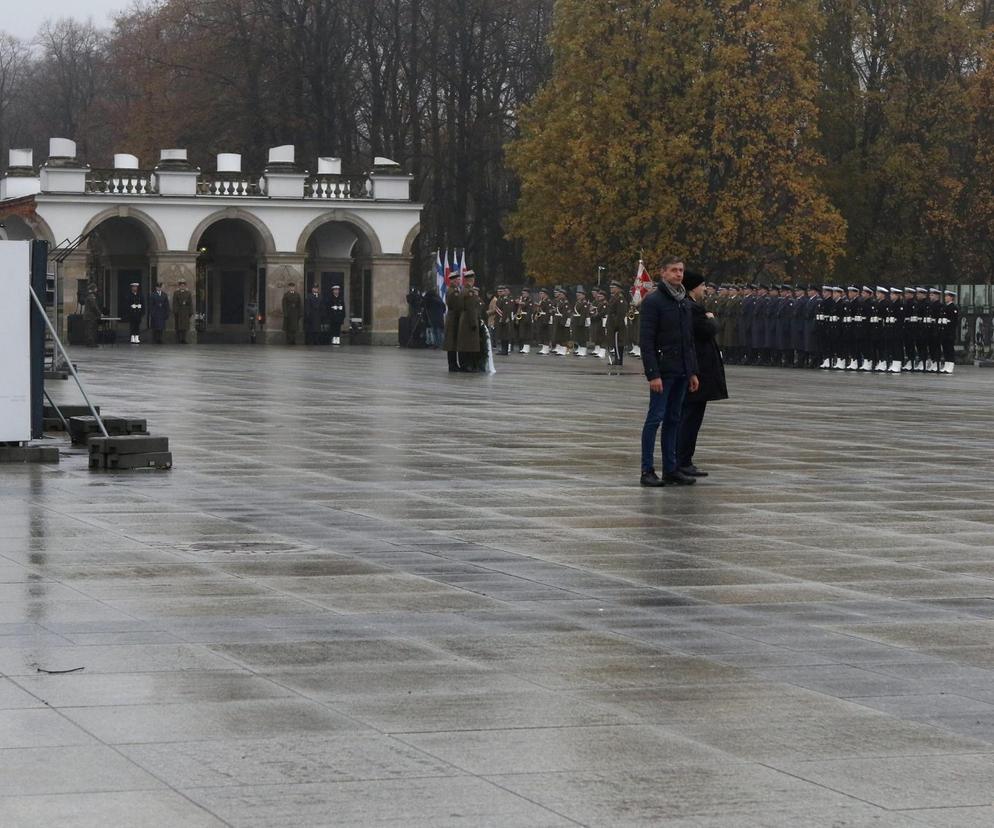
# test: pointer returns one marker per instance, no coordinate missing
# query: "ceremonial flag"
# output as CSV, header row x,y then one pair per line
x,y
462,267
440,284
642,285
447,272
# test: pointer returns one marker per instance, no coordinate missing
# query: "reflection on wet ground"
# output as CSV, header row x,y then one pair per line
x,y
373,592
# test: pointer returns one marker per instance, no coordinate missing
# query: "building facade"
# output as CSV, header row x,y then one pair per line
x,y
237,239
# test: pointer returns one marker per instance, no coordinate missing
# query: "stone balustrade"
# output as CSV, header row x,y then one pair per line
x,y
121,182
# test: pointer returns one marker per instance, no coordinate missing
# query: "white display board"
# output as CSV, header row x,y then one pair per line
x,y
15,341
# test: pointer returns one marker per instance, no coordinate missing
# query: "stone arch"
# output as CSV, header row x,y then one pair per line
x,y
267,243
409,241
32,223
342,217
155,233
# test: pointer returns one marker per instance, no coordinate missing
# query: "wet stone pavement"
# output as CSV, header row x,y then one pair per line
x,y
371,593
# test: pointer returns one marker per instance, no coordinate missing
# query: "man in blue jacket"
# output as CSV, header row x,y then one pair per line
x,y
670,363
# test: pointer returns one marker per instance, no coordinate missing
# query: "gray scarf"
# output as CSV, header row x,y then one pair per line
x,y
676,291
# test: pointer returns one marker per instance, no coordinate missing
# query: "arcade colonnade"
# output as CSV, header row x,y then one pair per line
x,y
237,239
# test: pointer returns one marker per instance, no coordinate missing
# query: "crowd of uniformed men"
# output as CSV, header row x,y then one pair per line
x,y
856,328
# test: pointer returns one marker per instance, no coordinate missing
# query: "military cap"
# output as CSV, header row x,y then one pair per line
x,y
949,292
909,289
135,284
526,289
501,287
852,287
921,290
92,287
559,289
543,290
898,291
838,289
882,289
581,289
867,289
785,287
713,286
615,283
934,290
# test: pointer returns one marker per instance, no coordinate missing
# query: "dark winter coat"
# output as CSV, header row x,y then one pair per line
x,y
798,315
435,308
158,310
665,336
710,367
313,313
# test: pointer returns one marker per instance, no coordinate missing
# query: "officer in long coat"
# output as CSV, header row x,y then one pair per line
x,y
158,313
336,314
313,316
468,331
134,312
504,319
812,322
453,310
758,327
182,311
798,313
293,309
614,324
91,317
747,313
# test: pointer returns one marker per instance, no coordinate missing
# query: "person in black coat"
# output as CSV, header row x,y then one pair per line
x,y
134,312
670,362
710,376
313,313
158,313
435,310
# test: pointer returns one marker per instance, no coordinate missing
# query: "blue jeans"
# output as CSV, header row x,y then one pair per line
x,y
664,410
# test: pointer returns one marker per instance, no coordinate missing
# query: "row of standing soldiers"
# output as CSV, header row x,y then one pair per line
x,y
854,328
602,323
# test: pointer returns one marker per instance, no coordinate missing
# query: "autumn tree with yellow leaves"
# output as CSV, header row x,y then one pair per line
x,y
676,125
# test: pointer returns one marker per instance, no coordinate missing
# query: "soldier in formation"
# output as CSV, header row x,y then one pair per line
x,y
134,312
293,310
91,316
158,313
853,328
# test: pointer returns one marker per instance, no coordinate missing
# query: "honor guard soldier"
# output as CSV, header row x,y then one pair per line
x,y
747,313
759,309
827,309
468,334
134,312
91,316
784,315
523,320
948,323
336,314
730,324
293,310
453,309
182,311
313,316
845,334
812,314
632,322
561,312
580,321
875,329
595,322
861,326
543,321
893,325
909,328
614,324
504,319
158,313
933,334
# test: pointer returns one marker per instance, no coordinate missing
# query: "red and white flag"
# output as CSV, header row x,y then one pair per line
x,y
642,285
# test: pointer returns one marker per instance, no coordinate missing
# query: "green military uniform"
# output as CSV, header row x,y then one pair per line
x,y
91,317
453,308
580,320
523,321
543,321
293,310
182,304
505,319
468,329
561,312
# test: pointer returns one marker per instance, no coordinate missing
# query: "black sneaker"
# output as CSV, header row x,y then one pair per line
x,y
678,478
650,478
692,471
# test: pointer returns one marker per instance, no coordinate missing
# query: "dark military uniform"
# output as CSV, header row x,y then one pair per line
x,y
614,329
948,323
783,354
293,309
158,313
933,332
812,328
580,321
336,315
182,311
468,339
595,321
747,314
313,317
543,321
798,312
893,328
561,312
134,312
730,324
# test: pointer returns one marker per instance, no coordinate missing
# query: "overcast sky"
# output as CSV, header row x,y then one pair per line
x,y
22,19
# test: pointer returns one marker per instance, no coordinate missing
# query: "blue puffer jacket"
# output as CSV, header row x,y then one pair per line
x,y
666,336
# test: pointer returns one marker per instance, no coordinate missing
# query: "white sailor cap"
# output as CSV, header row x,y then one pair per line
x,y
921,290
867,288
826,287
949,292
934,290
838,289
882,289
898,291
910,289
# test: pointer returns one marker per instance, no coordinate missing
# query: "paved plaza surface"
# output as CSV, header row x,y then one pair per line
x,y
371,592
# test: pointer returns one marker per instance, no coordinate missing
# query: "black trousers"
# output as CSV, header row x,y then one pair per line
x,y
157,335
691,418
469,360
453,360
